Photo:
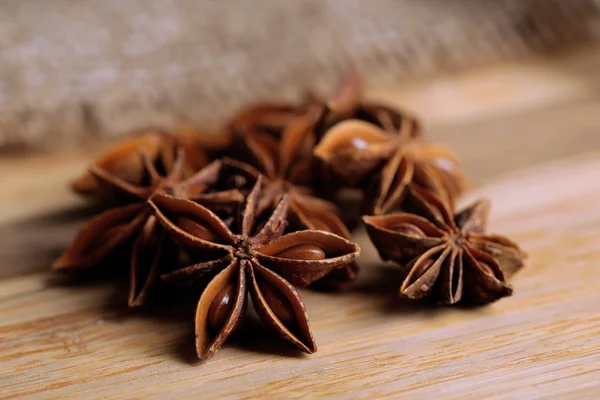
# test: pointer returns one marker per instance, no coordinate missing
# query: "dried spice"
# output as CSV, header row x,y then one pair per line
x,y
260,259
355,149
288,172
359,148
416,163
447,257
133,226
180,220
355,138
122,159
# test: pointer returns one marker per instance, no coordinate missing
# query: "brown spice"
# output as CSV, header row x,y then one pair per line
x,y
446,257
294,156
134,225
359,150
262,260
122,160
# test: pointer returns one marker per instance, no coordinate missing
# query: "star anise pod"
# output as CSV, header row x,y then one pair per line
x,y
354,137
133,227
287,169
447,257
391,163
122,160
260,259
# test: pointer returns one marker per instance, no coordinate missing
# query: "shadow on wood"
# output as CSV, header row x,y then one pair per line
x,y
380,286
31,245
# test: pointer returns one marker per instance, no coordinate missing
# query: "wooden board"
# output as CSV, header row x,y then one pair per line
x,y
65,340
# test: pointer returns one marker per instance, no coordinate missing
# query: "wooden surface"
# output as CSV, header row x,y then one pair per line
x,y
531,143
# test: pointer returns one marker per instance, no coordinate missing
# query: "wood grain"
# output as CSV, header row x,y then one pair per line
x,y
64,339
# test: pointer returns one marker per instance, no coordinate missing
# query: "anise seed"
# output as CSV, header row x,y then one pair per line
x,y
220,308
303,252
408,230
196,229
280,306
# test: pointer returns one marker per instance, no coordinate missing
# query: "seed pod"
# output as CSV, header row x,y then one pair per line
x,y
353,149
420,269
277,302
305,256
220,308
424,272
407,230
91,246
303,252
196,229
403,244
279,306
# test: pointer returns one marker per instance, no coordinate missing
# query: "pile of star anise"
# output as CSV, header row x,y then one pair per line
x,y
253,212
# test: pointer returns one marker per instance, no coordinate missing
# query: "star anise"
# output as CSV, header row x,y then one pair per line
x,y
392,163
448,258
355,137
260,259
122,160
133,227
286,165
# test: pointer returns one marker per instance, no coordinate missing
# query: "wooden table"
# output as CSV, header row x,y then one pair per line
x,y
529,134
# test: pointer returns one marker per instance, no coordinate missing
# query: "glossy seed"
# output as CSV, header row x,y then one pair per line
x,y
303,252
194,228
220,308
407,230
280,306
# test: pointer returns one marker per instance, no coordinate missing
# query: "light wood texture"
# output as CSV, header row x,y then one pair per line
x,y
62,340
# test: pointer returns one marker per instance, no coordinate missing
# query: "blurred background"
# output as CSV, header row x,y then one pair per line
x,y
75,71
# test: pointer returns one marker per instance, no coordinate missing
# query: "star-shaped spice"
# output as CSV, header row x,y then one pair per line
x,y
133,228
260,260
447,258
122,160
390,163
286,165
354,137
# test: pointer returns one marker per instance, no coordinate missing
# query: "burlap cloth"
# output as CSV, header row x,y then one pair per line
x,y
74,70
